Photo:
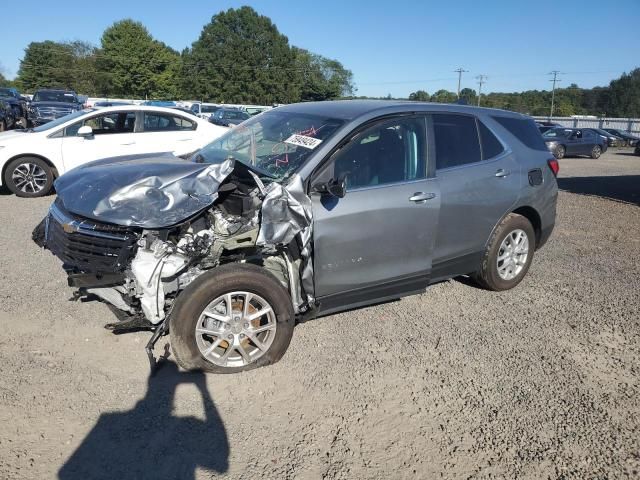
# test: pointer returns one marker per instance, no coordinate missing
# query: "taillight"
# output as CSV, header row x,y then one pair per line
x,y
554,166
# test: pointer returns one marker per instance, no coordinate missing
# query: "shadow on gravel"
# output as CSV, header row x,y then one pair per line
x,y
627,154
621,188
148,441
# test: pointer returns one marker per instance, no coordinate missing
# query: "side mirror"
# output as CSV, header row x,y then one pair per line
x,y
85,131
334,187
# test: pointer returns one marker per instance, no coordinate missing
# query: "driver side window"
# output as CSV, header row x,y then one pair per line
x,y
386,153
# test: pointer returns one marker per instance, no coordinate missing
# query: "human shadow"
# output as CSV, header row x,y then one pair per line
x,y
148,441
625,188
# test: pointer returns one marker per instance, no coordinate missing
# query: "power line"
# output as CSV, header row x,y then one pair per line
x,y
555,79
481,79
460,71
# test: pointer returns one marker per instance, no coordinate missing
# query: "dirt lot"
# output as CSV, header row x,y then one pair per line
x,y
539,382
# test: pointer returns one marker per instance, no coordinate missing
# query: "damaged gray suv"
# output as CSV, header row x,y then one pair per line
x,y
302,211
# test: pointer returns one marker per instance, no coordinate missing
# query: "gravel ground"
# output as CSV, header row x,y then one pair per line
x,y
538,382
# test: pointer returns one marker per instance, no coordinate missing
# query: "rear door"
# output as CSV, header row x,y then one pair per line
x,y
167,132
575,144
376,242
113,136
589,140
479,182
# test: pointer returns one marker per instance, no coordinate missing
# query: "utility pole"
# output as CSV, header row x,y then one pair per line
x,y
460,71
553,90
481,80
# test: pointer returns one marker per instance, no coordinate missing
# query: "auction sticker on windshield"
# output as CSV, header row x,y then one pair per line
x,y
303,141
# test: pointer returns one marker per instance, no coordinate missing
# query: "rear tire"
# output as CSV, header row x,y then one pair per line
x,y
596,151
511,237
188,314
559,152
29,177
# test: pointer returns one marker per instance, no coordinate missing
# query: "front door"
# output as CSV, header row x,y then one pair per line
x,y
113,136
376,241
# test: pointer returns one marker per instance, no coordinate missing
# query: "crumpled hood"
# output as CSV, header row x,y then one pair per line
x,y
148,191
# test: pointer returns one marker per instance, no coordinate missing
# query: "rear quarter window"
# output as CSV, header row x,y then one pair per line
x,y
524,130
491,146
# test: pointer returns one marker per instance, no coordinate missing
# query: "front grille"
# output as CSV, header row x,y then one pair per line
x,y
53,112
86,245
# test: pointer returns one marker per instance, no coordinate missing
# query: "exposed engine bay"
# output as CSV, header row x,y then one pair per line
x,y
135,239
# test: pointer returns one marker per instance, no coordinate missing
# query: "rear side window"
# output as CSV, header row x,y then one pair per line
x,y
491,146
456,139
524,130
162,122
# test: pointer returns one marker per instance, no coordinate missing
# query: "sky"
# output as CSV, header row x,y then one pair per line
x,y
392,47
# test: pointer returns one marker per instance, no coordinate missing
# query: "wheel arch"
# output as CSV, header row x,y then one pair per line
x,y
54,169
530,214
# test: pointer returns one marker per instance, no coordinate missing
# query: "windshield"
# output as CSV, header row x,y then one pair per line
x,y
61,120
66,97
277,142
6,92
209,108
556,132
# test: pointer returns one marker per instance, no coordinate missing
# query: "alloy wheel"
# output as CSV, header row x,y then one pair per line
x,y
235,329
29,177
512,255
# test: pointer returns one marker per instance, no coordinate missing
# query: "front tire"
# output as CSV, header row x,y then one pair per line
x,y
596,151
233,318
508,255
29,177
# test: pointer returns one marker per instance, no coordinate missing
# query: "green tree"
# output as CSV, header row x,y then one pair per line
x,y
469,96
322,78
241,57
46,64
4,82
136,65
419,96
86,79
624,95
444,96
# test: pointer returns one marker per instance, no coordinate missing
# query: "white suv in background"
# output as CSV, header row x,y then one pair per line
x,y
31,159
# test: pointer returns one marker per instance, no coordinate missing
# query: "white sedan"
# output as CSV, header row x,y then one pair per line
x,y
31,159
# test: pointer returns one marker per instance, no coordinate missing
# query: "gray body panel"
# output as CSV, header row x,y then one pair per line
x,y
368,247
374,236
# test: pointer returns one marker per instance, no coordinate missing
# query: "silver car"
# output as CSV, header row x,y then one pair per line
x,y
303,211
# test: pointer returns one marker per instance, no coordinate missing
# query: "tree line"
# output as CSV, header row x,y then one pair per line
x,y
621,98
240,57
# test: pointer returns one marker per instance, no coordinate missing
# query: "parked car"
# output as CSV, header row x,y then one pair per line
x,y
7,116
47,105
574,141
17,102
159,103
204,110
544,128
253,111
612,140
31,159
228,117
109,103
305,210
629,139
